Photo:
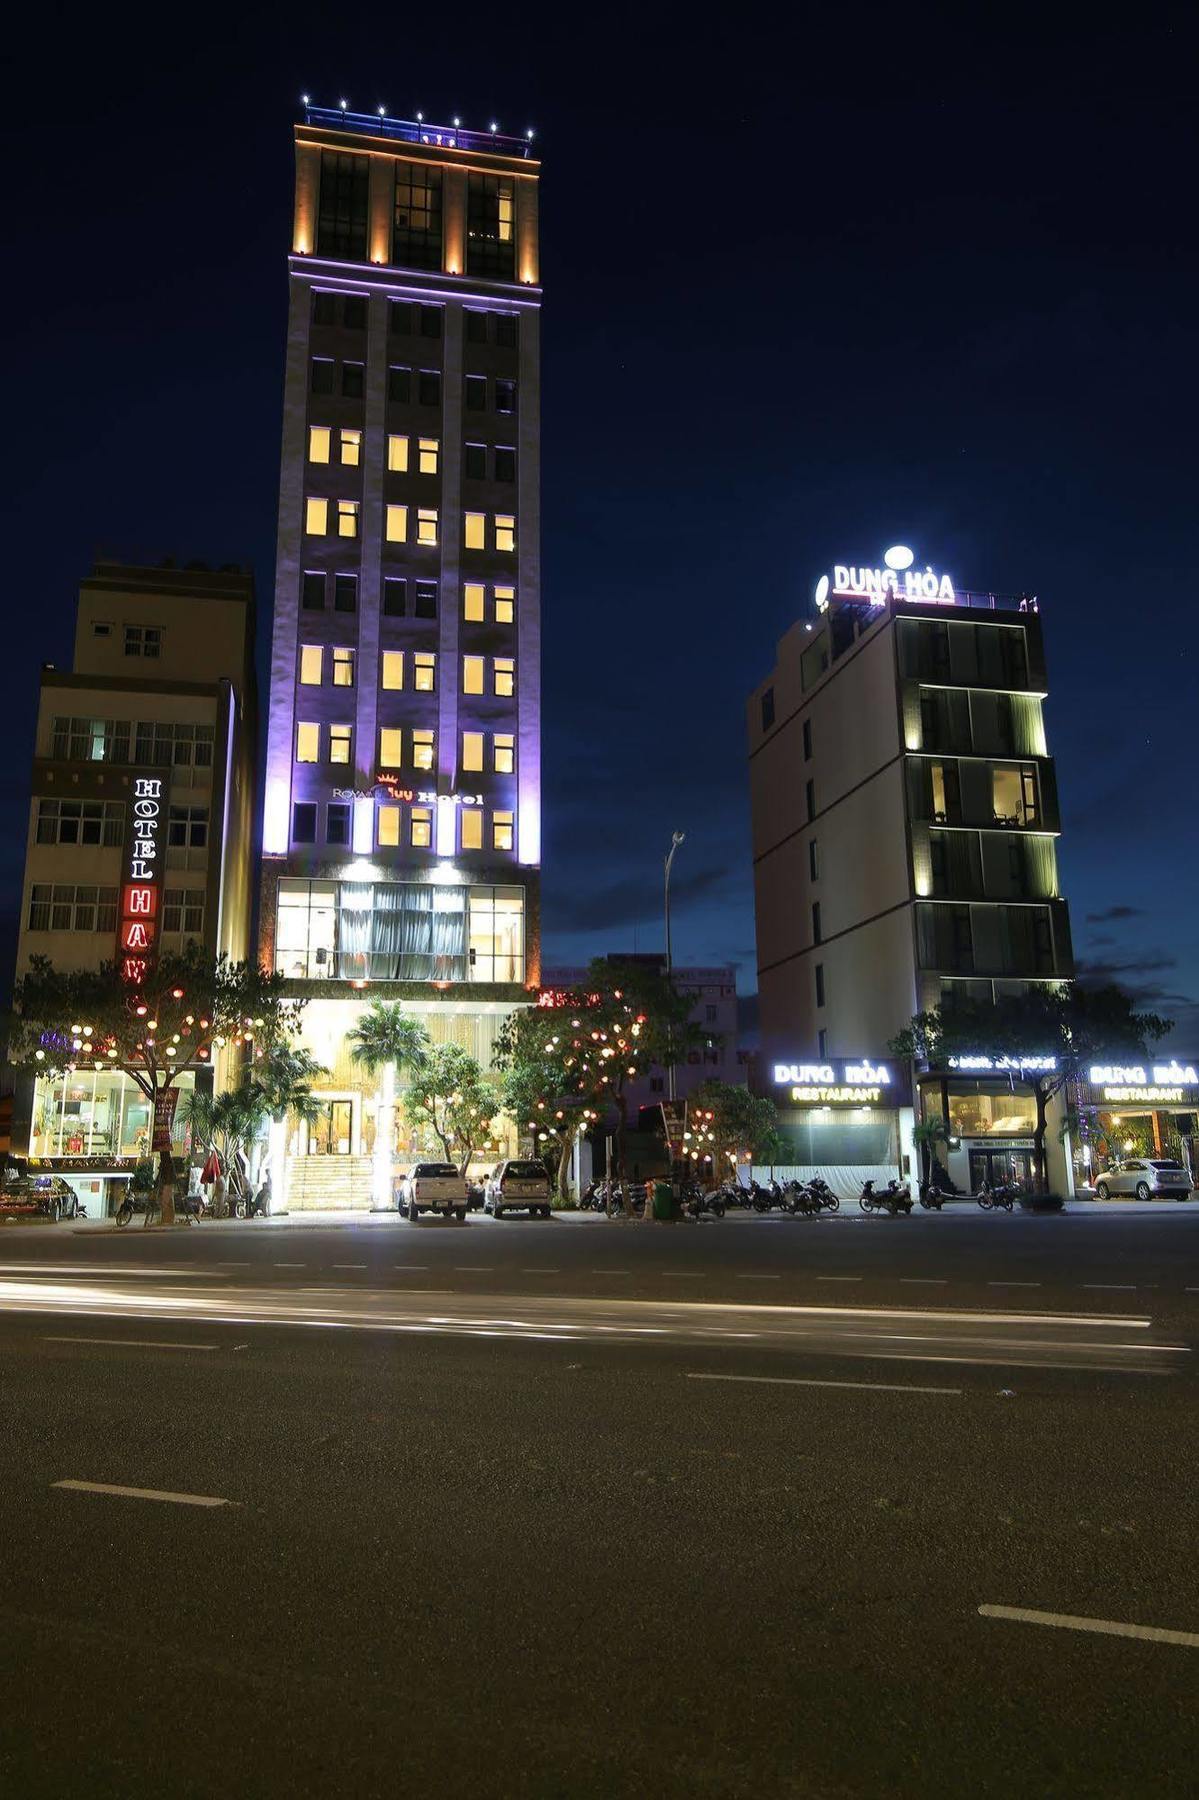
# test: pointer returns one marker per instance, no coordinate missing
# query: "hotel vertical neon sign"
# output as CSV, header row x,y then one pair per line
x,y
137,932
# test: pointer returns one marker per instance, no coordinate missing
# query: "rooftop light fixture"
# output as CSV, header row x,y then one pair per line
x,y
457,120
420,118
382,112
529,133
343,104
304,98
493,126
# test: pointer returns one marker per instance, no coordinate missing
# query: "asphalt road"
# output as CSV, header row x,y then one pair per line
x,y
588,1508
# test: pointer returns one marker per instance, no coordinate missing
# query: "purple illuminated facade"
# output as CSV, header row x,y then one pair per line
x,y
402,826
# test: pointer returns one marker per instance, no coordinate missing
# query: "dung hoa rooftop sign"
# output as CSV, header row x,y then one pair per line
x,y
896,580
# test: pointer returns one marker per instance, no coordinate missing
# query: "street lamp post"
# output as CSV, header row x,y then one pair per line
x,y
676,839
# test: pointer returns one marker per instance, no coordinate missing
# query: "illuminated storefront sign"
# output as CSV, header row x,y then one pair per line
x,y
1003,1065
898,580
387,788
861,1083
141,879
1162,1084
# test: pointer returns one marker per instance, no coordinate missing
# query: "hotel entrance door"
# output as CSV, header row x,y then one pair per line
x,y
329,1134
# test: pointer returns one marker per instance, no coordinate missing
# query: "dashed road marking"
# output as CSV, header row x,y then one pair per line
x,y
135,1493
877,1387
1027,1615
129,1343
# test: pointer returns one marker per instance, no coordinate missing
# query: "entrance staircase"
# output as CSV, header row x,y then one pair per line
x,y
329,1183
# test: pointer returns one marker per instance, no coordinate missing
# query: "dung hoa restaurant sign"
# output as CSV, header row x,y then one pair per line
x,y
860,1083
1160,1084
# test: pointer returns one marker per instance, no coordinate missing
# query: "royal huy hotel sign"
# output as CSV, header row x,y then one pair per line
x,y
141,880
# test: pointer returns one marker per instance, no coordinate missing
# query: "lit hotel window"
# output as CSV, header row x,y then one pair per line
x,y
504,677
424,671
389,825
340,739
422,749
472,674
318,443
351,447
422,827
316,516
472,753
397,454
347,518
505,605
397,524
426,525
503,747
473,607
312,659
501,830
308,743
427,459
391,746
472,827
343,668
505,531
393,669
476,531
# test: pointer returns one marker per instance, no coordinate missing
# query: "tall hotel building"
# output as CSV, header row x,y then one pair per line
x,y
401,830
905,821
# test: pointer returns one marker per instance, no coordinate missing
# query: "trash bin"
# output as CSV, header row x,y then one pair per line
x,y
663,1200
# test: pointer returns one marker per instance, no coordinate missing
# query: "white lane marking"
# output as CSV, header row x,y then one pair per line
x,y
1114,1287
687,1274
759,1278
349,1265
923,1281
543,1270
610,1271
472,1268
411,1268
137,1343
1026,1615
838,1278
132,1493
289,1265
877,1387
1013,1284
244,1264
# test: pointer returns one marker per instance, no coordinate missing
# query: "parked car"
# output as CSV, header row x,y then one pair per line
x,y
23,1196
518,1184
1149,1178
432,1187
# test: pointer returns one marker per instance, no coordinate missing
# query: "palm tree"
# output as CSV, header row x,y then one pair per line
x,y
385,1040
926,1135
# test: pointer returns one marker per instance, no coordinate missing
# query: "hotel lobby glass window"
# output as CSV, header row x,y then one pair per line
x,y
399,930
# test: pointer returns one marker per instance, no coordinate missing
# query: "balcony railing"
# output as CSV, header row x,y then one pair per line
x,y
419,131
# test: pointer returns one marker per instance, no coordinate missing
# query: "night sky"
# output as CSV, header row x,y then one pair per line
x,y
805,297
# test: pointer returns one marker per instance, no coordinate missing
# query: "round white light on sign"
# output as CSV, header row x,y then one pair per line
x,y
821,596
899,557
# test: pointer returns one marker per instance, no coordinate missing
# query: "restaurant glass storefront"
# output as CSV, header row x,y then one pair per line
x,y
848,1120
1137,1110
92,1127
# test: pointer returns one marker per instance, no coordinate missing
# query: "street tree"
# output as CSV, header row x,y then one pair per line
x,y
738,1124
569,1061
187,1008
451,1099
1043,1039
275,1088
385,1041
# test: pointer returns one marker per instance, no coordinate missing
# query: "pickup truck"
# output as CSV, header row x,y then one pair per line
x,y
432,1187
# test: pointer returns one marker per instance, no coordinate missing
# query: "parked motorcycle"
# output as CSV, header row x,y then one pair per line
x,y
931,1198
823,1194
992,1198
892,1199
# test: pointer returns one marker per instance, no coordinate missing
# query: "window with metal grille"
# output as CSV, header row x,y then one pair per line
x,y
81,822
183,911
67,908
